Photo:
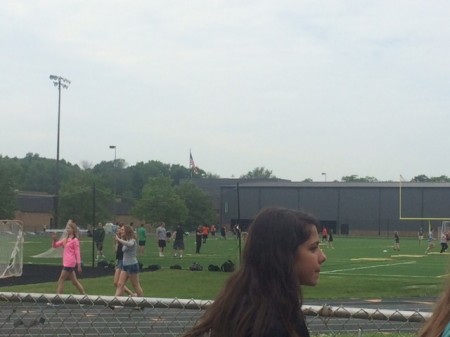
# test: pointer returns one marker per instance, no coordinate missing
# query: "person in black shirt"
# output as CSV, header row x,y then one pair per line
x,y
198,239
178,243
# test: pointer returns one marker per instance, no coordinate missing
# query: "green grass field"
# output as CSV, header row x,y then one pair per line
x,y
356,268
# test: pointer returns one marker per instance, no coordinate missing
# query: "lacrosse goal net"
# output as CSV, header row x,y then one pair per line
x,y
11,252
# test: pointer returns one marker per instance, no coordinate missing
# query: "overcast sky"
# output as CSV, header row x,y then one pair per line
x,y
298,87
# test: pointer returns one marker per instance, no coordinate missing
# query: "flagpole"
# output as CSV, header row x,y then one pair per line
x,y
190,162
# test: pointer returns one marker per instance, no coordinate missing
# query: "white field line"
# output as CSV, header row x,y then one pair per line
x,y
343,271
386,275
367,267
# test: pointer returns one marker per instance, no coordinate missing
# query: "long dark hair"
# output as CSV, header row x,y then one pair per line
x,y
435,325
265,287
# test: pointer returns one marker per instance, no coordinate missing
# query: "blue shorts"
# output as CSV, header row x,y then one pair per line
x,y
131,268
69,269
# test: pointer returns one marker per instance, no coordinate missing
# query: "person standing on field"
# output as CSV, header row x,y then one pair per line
x,y
223,232
205,230
178,243
198,239
330,239
118,247
213,230
430,241
142,238
396,241
161,235
324,234
71,257
420,235
99,237
130,264
444,244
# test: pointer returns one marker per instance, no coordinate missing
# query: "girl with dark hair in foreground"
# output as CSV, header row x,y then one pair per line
x,y
263,297
438,325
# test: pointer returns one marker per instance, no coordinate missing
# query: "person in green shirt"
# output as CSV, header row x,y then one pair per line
x,y
142,237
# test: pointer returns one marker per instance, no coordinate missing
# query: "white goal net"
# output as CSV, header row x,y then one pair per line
x,y
56,252
11,251
444,228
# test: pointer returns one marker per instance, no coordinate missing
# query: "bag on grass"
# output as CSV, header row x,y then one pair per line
x,y
213,267
227,266
102,264
195,267
154,267
175,266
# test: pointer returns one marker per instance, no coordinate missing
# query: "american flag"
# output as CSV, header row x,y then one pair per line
x,y
191,162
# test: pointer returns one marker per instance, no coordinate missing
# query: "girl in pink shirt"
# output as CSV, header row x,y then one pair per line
x,y
71,257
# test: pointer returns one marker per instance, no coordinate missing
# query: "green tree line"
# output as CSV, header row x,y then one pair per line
x,y
154,191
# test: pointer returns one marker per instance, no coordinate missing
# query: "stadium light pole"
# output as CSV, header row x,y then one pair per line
x,y
64,83
115,180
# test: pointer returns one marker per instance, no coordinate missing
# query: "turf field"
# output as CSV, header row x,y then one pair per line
x,y
357,268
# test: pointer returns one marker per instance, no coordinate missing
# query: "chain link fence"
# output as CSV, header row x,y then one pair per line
x,y
82,315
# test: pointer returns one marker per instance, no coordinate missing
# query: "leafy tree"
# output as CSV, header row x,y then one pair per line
x,y
197,173
199,205
178,173
77,200
356,179
9,175
259,173
75,203
422,178
141,172
440,179
114,175
159,202
38,174
209,175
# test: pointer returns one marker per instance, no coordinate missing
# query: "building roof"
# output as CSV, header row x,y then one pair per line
x,y
338,184
34,202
